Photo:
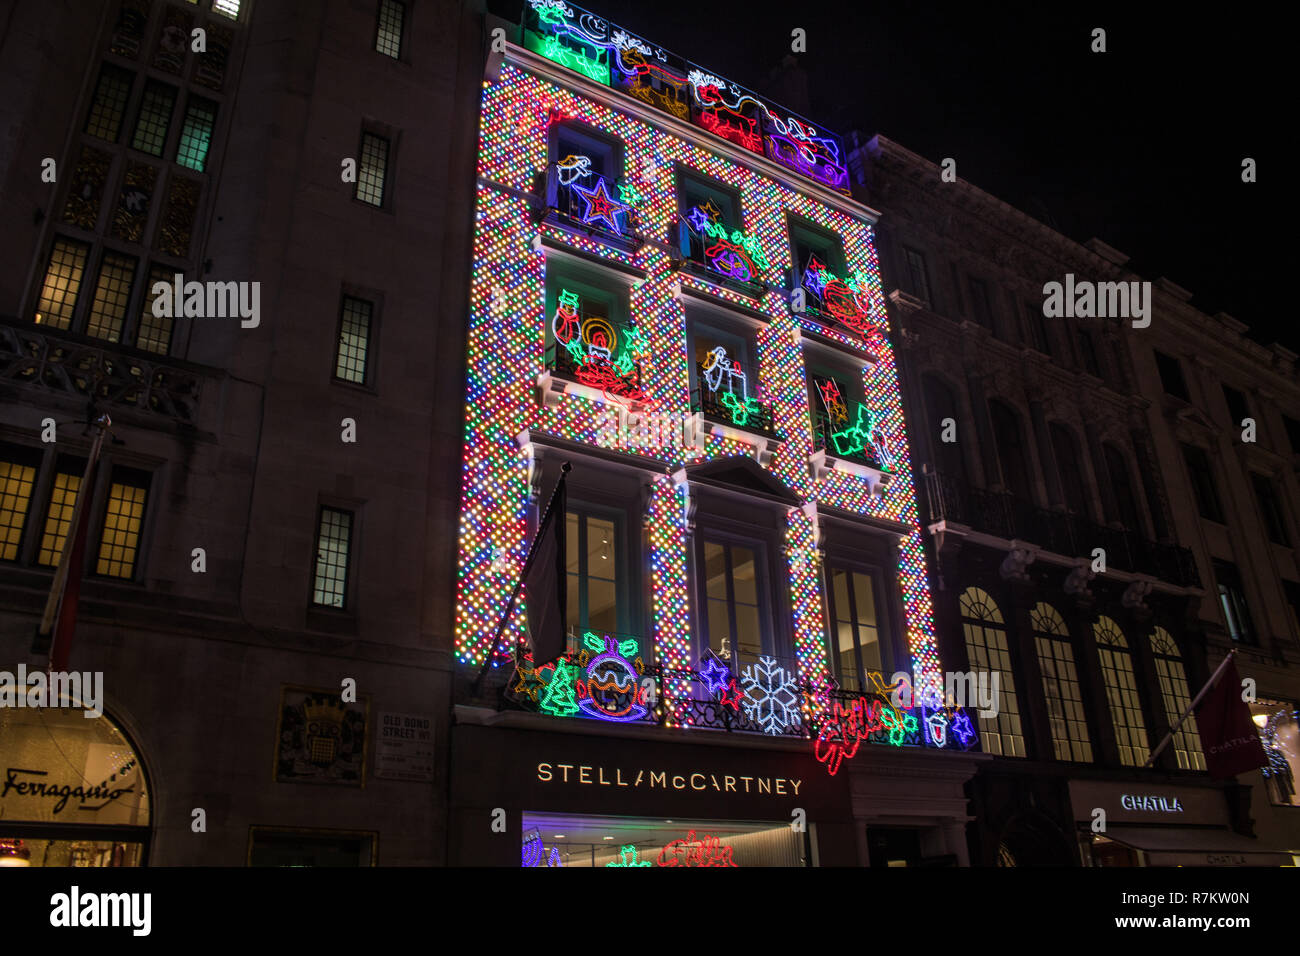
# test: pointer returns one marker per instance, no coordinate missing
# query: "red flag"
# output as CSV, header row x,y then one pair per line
x,y
66,622
1228,735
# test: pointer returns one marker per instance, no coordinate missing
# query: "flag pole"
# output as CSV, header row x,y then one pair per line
x,y
519,585
1214,679
54,601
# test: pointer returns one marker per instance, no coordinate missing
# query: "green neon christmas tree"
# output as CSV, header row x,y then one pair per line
x,y
559,699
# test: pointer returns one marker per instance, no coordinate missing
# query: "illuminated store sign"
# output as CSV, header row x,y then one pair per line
x,y
1131,801
665,780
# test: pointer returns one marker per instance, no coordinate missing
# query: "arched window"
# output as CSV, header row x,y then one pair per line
x,y
986,647
941,403
1065,711
1012,453
1173,688
1121,692
1121,484
1066,450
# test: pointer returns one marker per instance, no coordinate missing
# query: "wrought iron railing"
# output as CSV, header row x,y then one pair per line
x,y
824,439
725,406
949,498
595,371
609,679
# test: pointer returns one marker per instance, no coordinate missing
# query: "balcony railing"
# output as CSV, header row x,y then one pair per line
x,y
725,406
608,680
844,446
949,498
596,372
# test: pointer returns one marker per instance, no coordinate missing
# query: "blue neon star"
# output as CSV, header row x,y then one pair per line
x,y
601,205
714,675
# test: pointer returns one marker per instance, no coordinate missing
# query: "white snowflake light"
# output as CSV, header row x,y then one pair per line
x,y
770,699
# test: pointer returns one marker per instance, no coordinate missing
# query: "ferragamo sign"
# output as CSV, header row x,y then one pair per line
x,y
601,776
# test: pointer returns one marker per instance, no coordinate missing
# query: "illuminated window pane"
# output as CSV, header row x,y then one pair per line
x,y
109,103
1065,712
229,8
388,40
373,169
735,611
155,333
1121,693
333,543
63,498
1173,691
856,636
154,118
196,134
120,540
354,340
16,483
108,311
63,276
986,647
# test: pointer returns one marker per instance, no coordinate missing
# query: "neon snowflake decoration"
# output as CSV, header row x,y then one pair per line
x,y
770,697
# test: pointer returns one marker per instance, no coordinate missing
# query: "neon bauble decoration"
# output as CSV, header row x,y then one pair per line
x,y
612,689
845,300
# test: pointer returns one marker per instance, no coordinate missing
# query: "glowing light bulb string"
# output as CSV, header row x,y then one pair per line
x,y
557,495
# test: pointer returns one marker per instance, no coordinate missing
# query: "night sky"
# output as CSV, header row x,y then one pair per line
x,y
1140,146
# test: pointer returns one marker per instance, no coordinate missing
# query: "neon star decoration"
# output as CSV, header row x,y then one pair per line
x,y
601,206
713,674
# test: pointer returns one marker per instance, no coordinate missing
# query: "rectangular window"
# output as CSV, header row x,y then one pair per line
x,y
586,167
354,340
228,8
1232,599
593,571
58,518
155,333
109,102
979,299
1270,508
373,170
1125,705
17,480
154,118
1065,712
918,279
1238,407
1171,376
706,209
1203,485
735,626
1038,329
119,543
1292,591
63,276
1176,699
333,549
388,36
112,293
196,134
855,628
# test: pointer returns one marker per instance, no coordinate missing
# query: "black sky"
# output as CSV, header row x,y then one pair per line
x,y
1140,146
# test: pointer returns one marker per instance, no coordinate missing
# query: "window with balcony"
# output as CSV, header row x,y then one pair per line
x,y
1121,693
710,233
1232,600
821,276
980,304
1203,484
987,652
941,404
1270,509
844,424
585,185
595,573
916,277
1171,376
1013,454
1125,508
1174,693
1065,710
724,377
737,619
856,628
590,337
1069,466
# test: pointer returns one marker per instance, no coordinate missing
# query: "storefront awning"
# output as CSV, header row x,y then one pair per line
x,y
1183,846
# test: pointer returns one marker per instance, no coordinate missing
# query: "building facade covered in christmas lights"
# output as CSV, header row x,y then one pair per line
x,y
1164,445
674,293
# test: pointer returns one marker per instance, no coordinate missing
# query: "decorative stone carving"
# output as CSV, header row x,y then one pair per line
x,y
1016,562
